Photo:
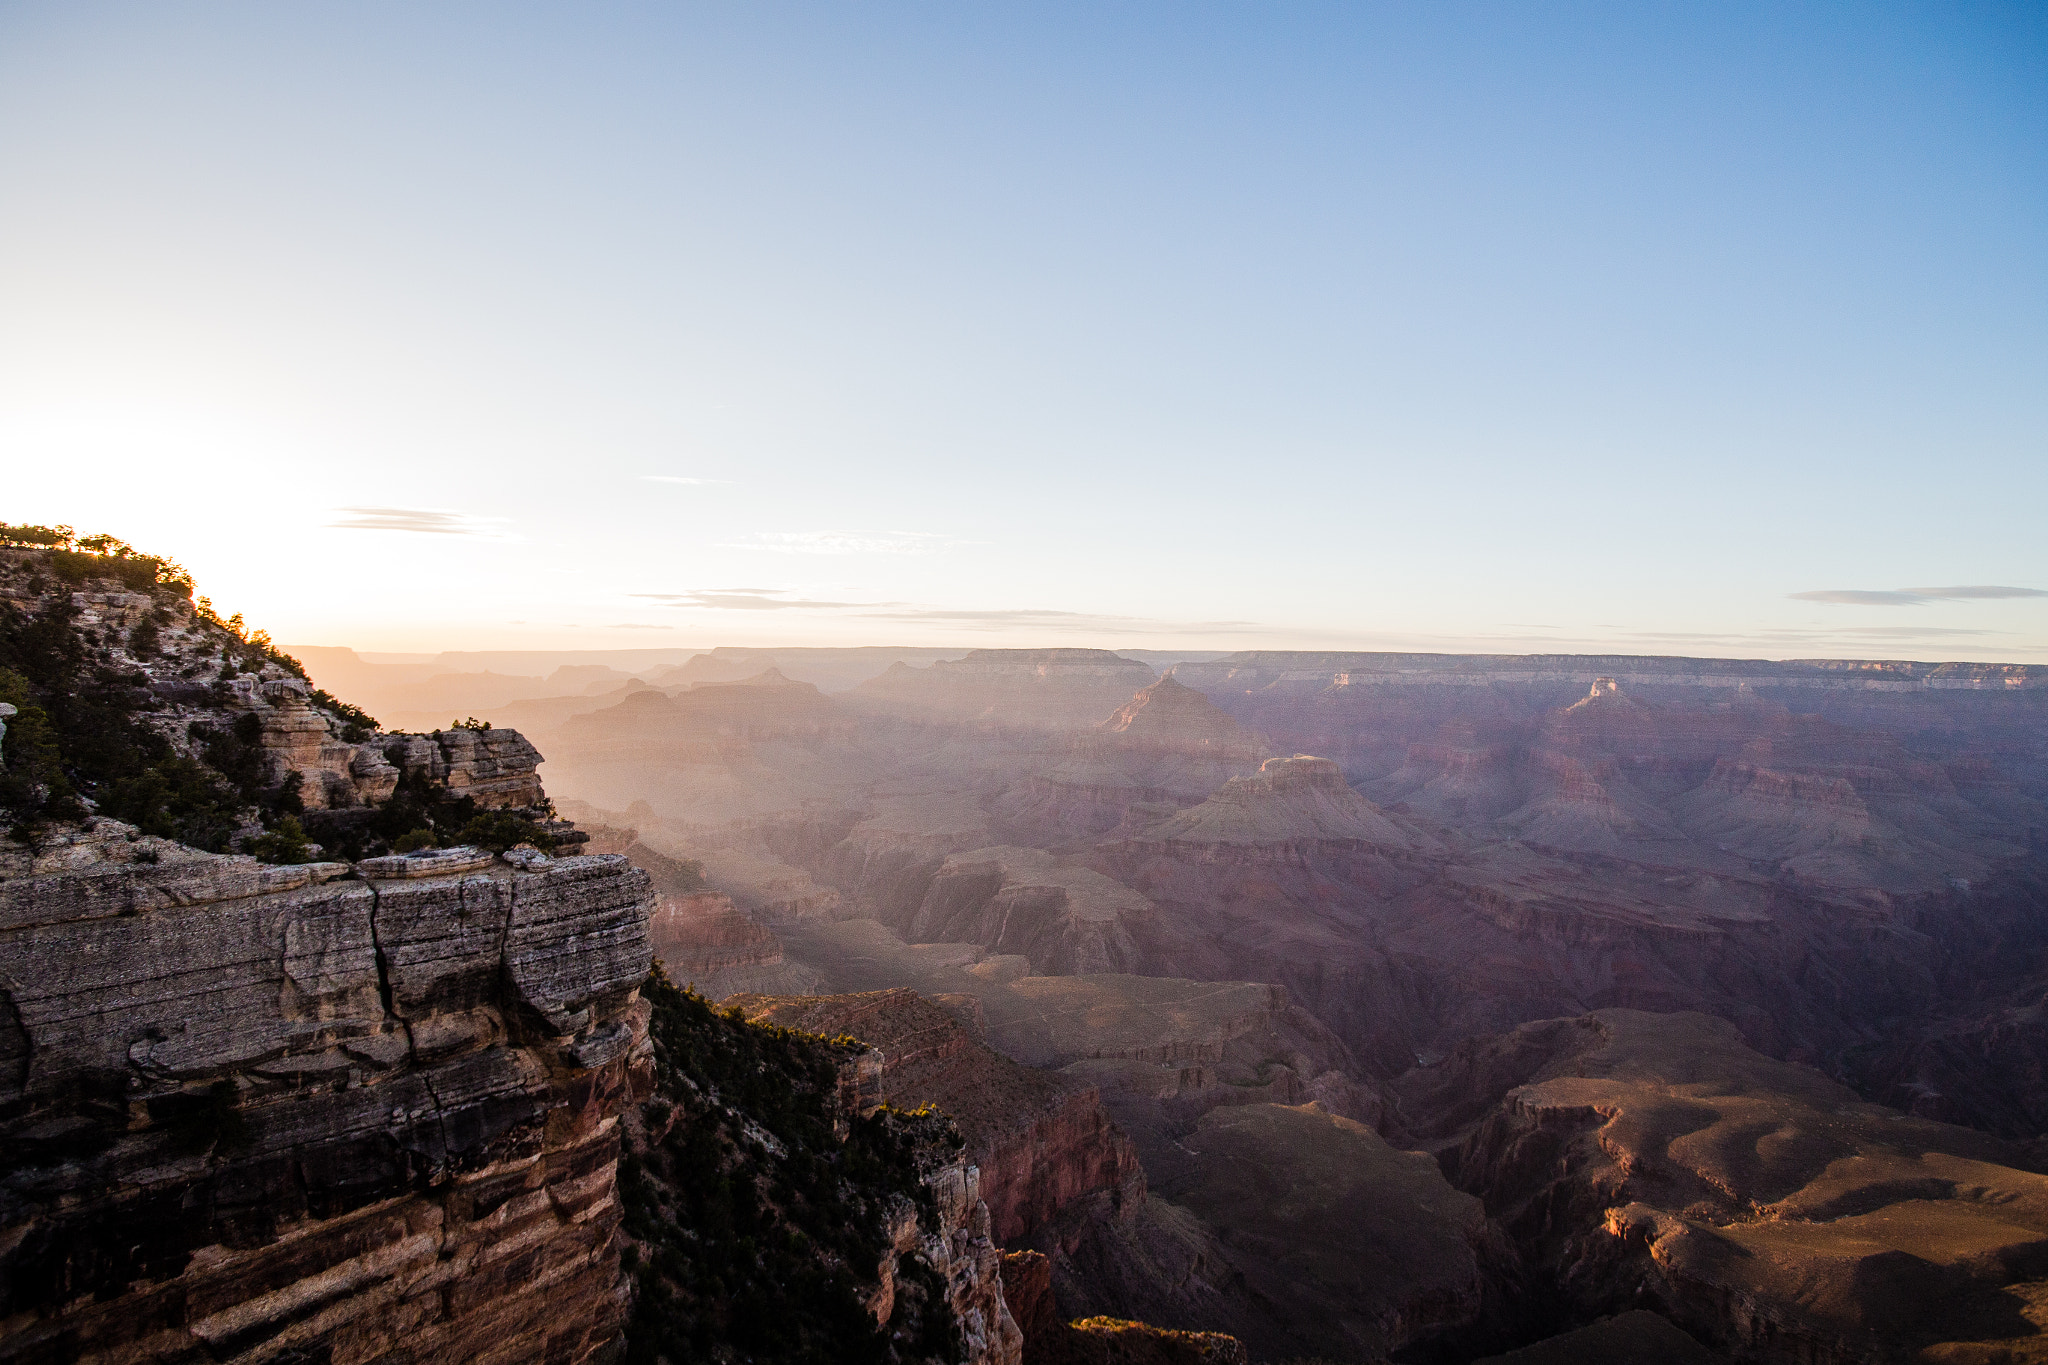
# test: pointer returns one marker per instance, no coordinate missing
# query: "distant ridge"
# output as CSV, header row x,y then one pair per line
x,y
1251,669
1051,656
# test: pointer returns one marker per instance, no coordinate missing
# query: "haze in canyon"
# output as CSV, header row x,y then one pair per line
x,y
1030,687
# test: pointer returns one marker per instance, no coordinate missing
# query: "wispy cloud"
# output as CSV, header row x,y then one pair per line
x,y
1914,597
752,599
989,619
684,478
846,542
637,625
419,521
1028,618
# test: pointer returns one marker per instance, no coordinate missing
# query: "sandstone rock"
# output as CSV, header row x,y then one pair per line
x,y
708,943
1360,1248
250,1113
1170,716
1756,1204
1293,805
1063,917
1042,1140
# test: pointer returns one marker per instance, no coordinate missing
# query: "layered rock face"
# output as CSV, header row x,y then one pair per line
x,y
709,944
269,1114
1292,807
1168,747
1170,716
778,1212
1064,918
1042,1140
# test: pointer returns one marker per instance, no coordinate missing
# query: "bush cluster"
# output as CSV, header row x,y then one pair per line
x,y
83,729
747,1250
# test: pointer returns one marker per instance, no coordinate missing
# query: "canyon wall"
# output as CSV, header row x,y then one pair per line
x,y
285,1113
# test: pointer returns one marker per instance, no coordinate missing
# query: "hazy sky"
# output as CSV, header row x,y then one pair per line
x,y
1495,326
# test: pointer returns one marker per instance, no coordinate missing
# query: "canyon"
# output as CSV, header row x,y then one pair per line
x,y
1014,1005
1264,905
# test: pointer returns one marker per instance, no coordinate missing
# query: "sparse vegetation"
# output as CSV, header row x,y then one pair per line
x,y
498,830
88,733
755,1230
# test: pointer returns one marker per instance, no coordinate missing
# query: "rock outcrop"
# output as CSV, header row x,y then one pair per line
x,y
1050,1339
1042,1140
1168,716
1652,1160
777,1211
1065,918
1293,806
710,945
276,1113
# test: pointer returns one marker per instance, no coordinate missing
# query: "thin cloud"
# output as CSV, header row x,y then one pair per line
x,y
1914,597
1979,592
686,479
752,599
846,542
1026,618
1019,618
417,521
637,625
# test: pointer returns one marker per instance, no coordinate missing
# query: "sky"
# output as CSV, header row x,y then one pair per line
x,y
1653,328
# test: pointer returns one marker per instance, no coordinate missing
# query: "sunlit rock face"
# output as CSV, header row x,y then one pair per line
x,y
1653,1161
285,1113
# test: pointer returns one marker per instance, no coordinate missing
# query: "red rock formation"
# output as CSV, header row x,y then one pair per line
x,y
1042,1140
706,942
1170,716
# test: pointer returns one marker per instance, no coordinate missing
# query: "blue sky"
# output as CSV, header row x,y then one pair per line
x,y
1495,327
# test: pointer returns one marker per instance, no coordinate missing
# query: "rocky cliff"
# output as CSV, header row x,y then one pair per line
x,y
778,1211
284,1113
265,1106
1042,1140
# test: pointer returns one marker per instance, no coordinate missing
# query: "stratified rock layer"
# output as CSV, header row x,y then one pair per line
x,y
1042,1139
260,1113
1651,1160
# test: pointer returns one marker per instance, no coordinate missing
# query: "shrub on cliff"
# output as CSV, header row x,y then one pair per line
x,y
90,733
756,1231
498,830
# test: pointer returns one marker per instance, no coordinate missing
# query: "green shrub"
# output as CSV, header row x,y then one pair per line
x,y
286,843
357,724
413,842
748,1250
498,830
